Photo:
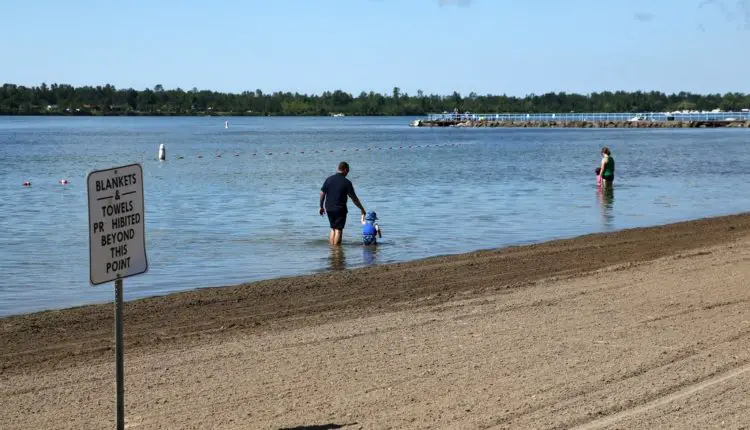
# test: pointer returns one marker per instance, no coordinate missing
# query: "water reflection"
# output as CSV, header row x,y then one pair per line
x,y
606,197
370,254
338,258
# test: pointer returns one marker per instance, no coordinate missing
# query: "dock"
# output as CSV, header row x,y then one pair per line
x,y
589,120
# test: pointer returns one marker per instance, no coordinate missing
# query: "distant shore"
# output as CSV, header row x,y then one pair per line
x,y
580,124
415,123
175,114
108,100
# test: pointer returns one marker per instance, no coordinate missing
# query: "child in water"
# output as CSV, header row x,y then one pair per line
x,y
598,171
370,229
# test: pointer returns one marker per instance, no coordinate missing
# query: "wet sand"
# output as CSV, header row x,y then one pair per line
x,y
643,328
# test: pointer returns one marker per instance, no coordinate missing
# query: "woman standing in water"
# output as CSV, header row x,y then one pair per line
x,y
607,169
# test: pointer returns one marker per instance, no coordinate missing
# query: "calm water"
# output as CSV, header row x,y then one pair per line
x,y
242,203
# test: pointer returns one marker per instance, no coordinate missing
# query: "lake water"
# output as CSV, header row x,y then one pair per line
x,y
240,204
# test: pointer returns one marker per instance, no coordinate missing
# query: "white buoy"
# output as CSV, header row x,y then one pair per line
x,y
162,152
226,124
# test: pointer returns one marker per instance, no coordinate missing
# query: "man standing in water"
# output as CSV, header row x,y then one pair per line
x,y
333,197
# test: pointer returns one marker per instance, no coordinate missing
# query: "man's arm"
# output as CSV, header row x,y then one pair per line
x,y
355,199
358,204
323,190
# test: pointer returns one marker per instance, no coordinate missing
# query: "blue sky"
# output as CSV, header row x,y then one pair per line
x,y
486,46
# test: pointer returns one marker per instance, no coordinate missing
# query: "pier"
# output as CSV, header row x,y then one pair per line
x,y
589,120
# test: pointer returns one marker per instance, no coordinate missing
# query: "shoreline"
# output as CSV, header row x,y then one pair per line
x,y
329,345
417,261
266,287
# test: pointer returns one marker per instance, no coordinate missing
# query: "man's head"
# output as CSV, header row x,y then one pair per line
x,y
344,168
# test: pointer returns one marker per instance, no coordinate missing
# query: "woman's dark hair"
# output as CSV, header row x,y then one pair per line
x,y
605,150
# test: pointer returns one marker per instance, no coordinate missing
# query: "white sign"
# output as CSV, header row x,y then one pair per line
x,y
117,243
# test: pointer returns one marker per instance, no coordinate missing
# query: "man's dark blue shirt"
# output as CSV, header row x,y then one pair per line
x,y
337,188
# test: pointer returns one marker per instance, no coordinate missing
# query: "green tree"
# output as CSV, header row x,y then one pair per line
x,y
107,99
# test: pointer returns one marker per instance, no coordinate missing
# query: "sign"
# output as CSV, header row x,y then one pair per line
x,y
117,243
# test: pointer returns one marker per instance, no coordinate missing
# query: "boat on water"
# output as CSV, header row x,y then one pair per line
x,y
337,115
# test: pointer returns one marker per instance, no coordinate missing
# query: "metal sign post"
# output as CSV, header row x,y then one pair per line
x,y
119,362
117,245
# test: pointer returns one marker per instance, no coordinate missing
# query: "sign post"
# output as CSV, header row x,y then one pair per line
x,y
117,244
119,362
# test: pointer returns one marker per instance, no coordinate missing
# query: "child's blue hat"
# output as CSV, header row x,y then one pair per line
x,y
371,216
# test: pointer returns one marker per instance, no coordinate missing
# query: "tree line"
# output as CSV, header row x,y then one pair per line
x,y
63,99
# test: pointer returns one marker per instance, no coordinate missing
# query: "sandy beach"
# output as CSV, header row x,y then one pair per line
x,y
643,328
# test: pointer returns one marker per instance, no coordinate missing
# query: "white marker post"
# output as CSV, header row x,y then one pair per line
x,y
117,244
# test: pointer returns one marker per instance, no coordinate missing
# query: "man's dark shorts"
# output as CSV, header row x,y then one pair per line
x,y
337,218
